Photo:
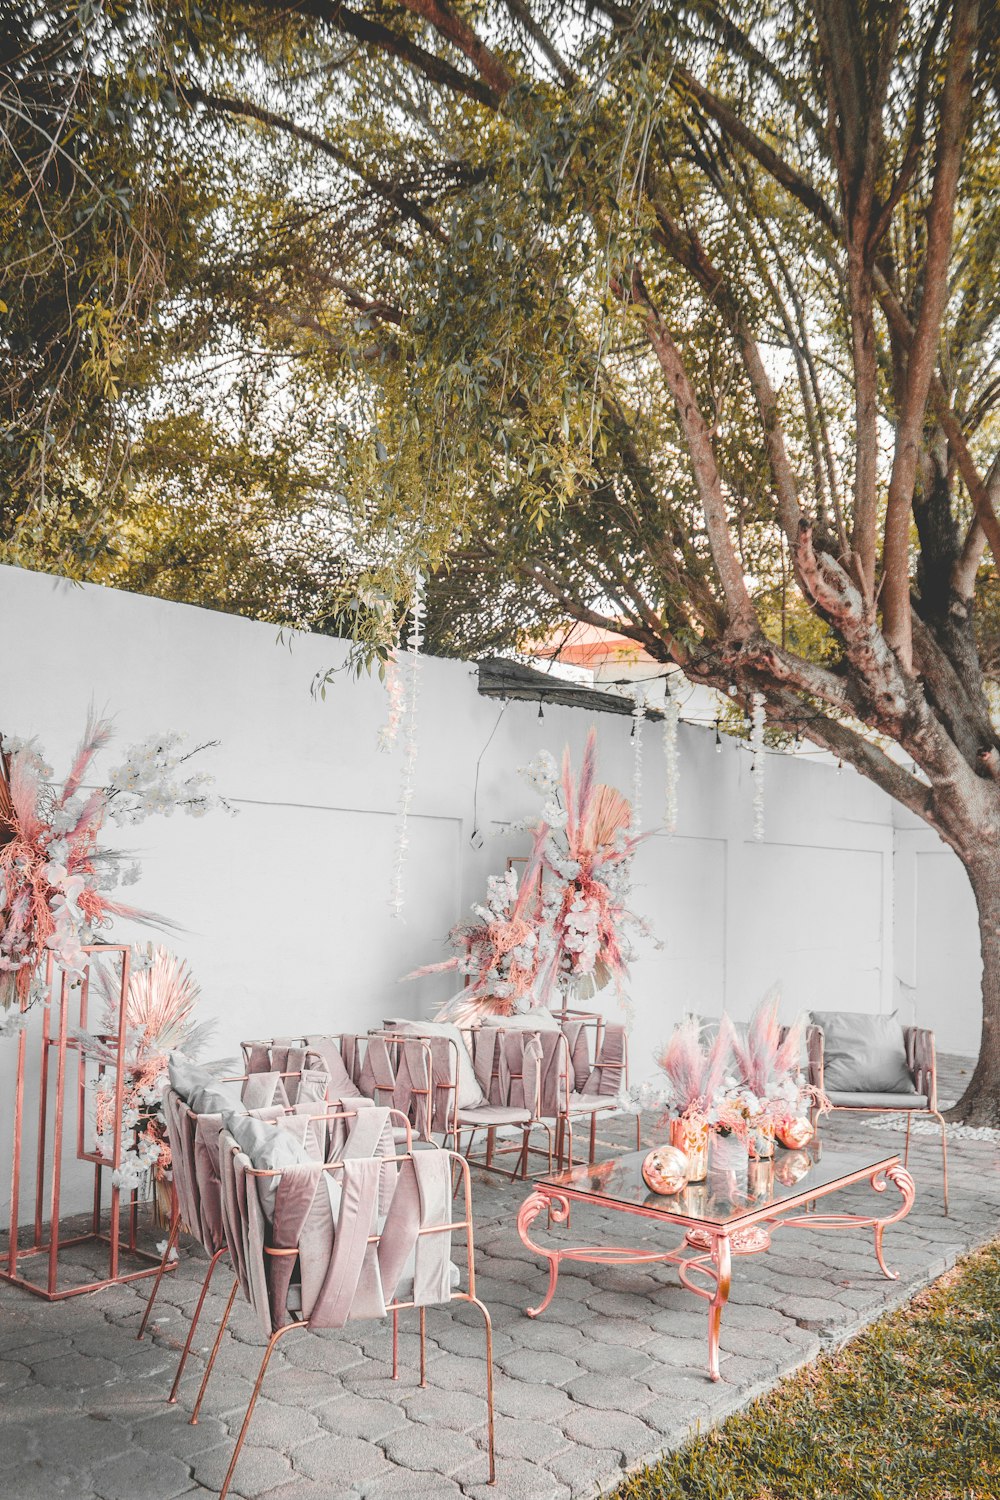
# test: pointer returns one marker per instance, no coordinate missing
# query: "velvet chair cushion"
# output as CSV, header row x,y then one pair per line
x,y
863,1054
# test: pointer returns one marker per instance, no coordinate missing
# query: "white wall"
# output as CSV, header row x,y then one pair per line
x,y
284,912
938,967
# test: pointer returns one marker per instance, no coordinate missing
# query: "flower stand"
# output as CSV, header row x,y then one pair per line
x,y
57,1092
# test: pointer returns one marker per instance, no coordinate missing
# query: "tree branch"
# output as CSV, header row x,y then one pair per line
x,y
955,110
461,35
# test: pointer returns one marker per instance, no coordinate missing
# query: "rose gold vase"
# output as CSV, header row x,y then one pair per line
x,y
691,1137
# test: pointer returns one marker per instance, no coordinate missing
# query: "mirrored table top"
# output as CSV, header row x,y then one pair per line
x,y
789,1177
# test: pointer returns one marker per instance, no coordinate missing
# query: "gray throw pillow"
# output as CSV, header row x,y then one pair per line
x,y
270,1148
535,1019
863,1054
215,1099
186,1076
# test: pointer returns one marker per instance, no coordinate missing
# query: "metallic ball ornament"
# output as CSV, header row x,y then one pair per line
x,y
665,1170
795,1133
792,1168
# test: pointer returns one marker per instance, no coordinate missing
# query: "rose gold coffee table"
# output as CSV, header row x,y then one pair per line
x,y
717,1224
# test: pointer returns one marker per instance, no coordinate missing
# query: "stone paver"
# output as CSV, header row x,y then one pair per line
x,y
613,1372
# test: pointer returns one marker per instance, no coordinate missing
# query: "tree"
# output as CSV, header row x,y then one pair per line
x,y
678,319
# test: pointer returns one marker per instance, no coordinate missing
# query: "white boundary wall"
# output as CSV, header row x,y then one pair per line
x,y
284,909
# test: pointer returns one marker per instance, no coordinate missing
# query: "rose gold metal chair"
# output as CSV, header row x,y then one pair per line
x,y
196,1193
593,1080
921,1063
379,1243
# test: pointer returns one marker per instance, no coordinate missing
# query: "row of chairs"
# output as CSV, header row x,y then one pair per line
x,y
527,1082
365,1228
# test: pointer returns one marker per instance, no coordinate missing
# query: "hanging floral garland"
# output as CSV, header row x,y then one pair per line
x,y
758,717
396,901
671,760
395,690
638,720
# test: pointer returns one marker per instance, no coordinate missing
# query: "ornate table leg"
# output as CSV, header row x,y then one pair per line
x,y
900,1178
721,1260
558,1212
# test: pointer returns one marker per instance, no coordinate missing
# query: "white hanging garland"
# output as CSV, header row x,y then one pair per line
x,y
758,716
395,690
671,759
409,748
638,719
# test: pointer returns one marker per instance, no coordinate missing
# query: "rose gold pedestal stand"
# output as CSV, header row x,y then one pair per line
x,y
53,1059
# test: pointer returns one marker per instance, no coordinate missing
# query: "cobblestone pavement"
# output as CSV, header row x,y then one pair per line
x,y
613,1373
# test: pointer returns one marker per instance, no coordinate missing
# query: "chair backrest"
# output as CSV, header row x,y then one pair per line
x,y
296,1070
412,1074
509,1065
605,1071
343,1232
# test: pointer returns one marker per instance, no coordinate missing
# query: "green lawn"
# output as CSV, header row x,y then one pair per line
x,y
909,1410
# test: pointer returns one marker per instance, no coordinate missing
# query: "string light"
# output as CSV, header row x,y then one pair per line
x,y
718,739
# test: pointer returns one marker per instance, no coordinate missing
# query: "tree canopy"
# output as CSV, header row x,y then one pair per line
x,y
675,318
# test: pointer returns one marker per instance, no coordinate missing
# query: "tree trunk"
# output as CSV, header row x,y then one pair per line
x,y
980,1104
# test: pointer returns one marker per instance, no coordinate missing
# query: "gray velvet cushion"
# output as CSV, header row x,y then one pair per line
x,y
863,1053
878,1101
216,1099
535,1019
200,1086
270,1148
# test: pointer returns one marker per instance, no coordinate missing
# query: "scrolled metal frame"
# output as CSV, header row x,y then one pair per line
x,y
707,1249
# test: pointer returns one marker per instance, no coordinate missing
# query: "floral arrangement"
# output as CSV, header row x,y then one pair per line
x,y
160,1006
565,924
498,951
695,1070
768,1067
585,851
55,879
743,1086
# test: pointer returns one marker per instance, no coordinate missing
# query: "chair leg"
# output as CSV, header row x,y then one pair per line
x,y
271,1343
593,1136
194,1322
423,1346
521,1165
906,1148
214,1354
175,1226
638,1131
490,1428
395,1343
944,1155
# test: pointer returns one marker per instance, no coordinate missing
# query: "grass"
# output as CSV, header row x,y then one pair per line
x,y
908,1410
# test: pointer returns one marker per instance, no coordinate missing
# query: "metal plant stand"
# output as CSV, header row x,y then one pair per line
x,y
126,1262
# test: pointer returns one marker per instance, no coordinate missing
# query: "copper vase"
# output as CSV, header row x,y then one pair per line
x,y
691,1137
